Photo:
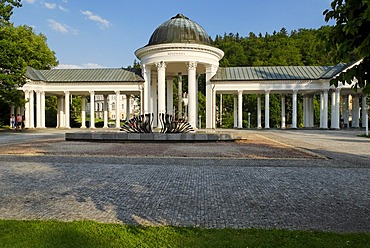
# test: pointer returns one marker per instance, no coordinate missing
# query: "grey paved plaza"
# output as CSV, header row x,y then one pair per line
x,y
290,179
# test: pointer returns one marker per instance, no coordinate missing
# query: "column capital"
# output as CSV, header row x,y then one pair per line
x,y
92,92
240,92
160,65
267,91
192,65
117,91
295,91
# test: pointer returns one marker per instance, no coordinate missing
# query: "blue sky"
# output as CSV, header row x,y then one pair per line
x,y
106,33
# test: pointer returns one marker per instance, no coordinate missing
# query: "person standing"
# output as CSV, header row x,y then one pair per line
x,y
12,121
19,122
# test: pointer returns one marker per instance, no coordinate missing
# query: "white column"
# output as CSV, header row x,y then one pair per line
x,y
294,115
355,111
92,108
210,72
12,105
43,109
337,108
259,115
154,100
32,110
67,110
267,109
128,107
179,96
27,110
38,109
364,111
83,111
61,113
118,107
240,109
235,111
345,110
325,109
105,111
147,77
192,96
161,68
283,117
311,113
170,95
332,122
58,112
214,97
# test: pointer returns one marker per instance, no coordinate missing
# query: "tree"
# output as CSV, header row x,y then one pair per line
x,y
6,10
20,47
351,37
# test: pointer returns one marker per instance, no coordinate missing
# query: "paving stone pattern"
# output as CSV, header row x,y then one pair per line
x,y
71,181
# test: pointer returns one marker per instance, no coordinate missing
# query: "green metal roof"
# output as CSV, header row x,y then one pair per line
x,y
277,73
85,75
179,29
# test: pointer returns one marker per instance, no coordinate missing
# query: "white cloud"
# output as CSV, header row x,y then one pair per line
x,y
103,23
62,8
83,66
30,1
60,27
55,6
50,5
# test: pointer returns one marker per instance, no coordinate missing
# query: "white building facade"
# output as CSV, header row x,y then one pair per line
x,y
180,47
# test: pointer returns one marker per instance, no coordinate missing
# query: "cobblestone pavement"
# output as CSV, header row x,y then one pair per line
x,y
301,179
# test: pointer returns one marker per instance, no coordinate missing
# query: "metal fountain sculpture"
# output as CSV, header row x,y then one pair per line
x,y
143,124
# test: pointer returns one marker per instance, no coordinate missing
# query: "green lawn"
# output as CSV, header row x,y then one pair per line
x,y
92,234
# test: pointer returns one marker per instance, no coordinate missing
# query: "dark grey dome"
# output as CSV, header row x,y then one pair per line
x,y
179,29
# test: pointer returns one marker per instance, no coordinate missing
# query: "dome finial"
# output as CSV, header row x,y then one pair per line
x,y
179,15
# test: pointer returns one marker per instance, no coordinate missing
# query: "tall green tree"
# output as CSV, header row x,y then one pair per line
x,y
6,10
20,47
351,37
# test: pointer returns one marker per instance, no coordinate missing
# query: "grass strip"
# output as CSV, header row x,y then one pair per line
x,y
92,234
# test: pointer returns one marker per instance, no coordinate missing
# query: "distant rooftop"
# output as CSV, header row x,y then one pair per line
x,y
85,75
277,73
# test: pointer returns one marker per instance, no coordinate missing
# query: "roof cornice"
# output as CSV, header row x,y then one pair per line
x,y
178,46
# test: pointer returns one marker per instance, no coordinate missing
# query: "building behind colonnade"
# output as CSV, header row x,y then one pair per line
x,y
181,47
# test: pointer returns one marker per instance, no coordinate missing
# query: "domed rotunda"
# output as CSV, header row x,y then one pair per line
x,y
177,47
